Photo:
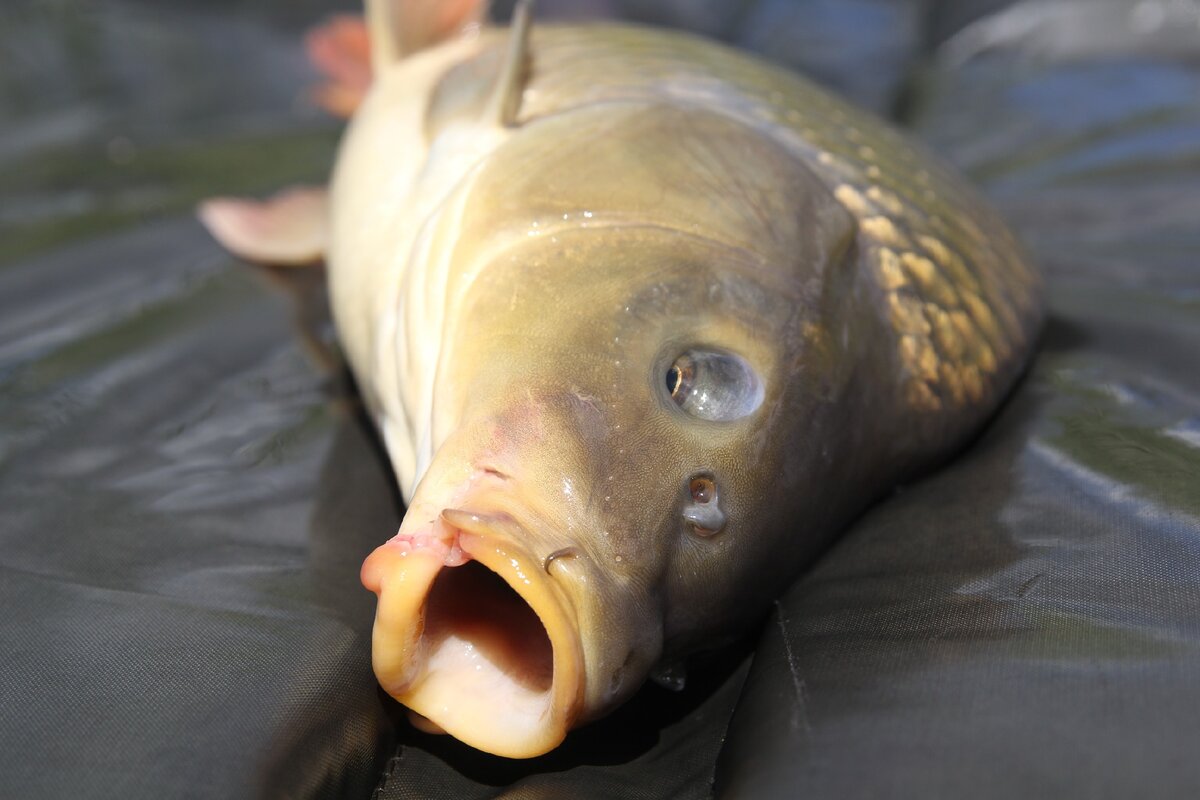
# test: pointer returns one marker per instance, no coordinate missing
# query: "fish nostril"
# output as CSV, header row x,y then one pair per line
x,y
703,514
563,552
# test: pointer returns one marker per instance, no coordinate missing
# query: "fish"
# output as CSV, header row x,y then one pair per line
x,y
644,322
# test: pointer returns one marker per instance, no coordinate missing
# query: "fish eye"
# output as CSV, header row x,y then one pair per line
x,y
674,379
713,385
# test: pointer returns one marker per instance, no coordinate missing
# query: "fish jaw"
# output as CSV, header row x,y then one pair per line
x,y
472,633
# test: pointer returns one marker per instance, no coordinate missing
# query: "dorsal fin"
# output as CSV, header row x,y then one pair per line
x,y
400,28
505,100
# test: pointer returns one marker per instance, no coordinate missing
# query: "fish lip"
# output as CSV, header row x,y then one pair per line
x,y
404,579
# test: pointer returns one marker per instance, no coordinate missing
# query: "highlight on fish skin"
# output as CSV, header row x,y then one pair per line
x,y
643,323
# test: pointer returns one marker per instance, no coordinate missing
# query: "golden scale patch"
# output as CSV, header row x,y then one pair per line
x,y
951,341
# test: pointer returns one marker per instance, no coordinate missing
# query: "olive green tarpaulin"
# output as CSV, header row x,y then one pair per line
x,y
187,491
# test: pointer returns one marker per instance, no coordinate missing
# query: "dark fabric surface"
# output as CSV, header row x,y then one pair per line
x,y
184,504
186,490
181,614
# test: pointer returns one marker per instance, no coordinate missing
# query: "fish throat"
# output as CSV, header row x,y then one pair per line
x,y
486,638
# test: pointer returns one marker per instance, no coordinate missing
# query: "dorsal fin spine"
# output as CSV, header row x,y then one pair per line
x,y
382,26
505,101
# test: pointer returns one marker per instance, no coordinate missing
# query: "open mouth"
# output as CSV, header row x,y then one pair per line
x,y
478,628
473,635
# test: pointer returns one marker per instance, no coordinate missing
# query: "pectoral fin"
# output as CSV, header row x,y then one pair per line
x,y
289,229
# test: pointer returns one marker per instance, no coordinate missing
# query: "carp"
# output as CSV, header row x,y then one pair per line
x,y
644,322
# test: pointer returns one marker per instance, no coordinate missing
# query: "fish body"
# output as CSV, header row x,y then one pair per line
x,y
641,337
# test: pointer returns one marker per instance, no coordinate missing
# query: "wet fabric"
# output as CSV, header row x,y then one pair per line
x,y
187,488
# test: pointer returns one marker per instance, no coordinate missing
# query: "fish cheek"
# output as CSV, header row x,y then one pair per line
x,y
766,484
705,593
721,468
711,516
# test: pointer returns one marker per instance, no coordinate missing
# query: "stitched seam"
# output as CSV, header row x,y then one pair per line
x,y
800,717
388,770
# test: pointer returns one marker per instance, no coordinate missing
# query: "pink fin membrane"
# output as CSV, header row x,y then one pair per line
x,y
289,229
341,50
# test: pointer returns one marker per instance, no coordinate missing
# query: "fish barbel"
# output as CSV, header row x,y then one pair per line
x,y
644,322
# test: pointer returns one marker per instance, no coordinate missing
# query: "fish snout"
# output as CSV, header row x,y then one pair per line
x,y
475,633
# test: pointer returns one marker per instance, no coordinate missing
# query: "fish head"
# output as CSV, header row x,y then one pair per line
x,y
638,386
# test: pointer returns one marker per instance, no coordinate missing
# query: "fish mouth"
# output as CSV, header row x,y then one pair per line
x,y
472,634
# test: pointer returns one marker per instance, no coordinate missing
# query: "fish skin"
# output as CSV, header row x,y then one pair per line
x,y
510,296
